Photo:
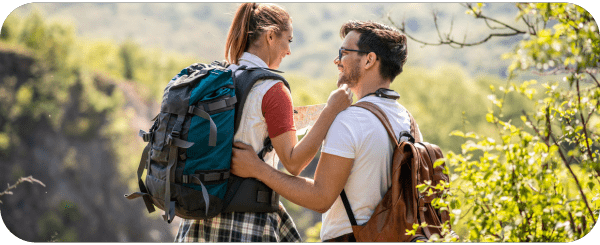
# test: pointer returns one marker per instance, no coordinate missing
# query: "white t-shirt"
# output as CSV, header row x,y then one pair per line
x,y
356,133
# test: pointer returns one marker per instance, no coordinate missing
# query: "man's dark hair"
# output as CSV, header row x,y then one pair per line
x,y
386,42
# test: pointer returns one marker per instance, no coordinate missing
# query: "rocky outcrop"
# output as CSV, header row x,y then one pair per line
x,y
83,198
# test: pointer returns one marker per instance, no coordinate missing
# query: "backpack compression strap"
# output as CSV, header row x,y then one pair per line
x,y
143,191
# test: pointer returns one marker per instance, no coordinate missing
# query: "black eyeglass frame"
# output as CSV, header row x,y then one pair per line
x,y
355,50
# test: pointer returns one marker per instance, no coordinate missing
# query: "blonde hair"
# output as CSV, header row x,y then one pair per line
x,y
249,22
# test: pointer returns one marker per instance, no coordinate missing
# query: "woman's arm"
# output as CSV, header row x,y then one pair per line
x,y
294,155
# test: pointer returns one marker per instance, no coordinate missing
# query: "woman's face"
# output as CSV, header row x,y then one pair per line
x,y
280,47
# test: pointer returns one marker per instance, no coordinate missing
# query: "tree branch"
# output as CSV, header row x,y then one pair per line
x,y
447,40
479,15
567,163
21,180
583,121
594,78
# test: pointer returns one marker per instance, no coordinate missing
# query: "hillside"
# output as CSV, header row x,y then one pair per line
x,y
199,29
83,200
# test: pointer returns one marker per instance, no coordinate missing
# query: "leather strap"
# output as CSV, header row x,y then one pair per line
x,y
343,238
414,129
381,116
388,127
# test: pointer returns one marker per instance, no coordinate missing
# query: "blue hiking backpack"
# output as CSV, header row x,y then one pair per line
x,y
188,154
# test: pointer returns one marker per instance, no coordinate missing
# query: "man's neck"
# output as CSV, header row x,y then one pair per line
x,y
366,86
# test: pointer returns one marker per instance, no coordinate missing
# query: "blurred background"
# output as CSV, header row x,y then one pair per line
x,y
78,81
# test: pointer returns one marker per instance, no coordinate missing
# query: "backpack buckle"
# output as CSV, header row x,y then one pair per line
x,y
185,179
169,140
146,136
175,134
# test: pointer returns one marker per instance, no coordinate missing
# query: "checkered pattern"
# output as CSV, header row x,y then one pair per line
x,y
240,227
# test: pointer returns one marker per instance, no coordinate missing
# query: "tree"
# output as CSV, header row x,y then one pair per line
x,y
129,53
538,181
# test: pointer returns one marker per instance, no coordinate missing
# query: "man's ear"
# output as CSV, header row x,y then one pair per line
x,y
370,60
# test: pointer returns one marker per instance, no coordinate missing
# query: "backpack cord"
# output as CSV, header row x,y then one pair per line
x,y
267,147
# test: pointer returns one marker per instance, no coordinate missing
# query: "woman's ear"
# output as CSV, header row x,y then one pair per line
x,y
270,36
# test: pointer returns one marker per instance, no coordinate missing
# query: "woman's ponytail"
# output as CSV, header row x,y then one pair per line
x,y
249,22
237,38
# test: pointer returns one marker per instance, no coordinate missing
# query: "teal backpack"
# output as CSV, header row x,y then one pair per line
x,y
188,155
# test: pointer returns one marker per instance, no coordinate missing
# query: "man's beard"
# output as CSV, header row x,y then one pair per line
x,y
350,76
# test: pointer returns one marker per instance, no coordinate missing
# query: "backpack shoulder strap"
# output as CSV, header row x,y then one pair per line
x,y
388,127
381,116
348,208
245,81
414,129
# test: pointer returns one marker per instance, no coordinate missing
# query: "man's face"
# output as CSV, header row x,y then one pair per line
x,y
348,65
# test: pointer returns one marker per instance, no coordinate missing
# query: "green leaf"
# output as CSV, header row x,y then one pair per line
x,y
489,117
524,119
439,162
457,133
471,135
422,187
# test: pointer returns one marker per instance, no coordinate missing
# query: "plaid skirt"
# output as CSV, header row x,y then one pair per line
x,y
240,227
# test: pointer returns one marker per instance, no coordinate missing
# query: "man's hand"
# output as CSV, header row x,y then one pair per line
x,y
244,161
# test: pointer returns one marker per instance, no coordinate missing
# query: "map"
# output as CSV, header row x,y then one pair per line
x,y
306,116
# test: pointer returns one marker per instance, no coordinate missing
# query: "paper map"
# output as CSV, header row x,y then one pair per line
x,y
306,116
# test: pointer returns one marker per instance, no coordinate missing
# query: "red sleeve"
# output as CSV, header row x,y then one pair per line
x,y
278,110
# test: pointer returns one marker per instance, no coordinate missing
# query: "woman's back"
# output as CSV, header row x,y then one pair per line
x,y
250,24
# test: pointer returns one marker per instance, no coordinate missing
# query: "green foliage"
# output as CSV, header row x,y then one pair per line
x,y
447,98
524,169
68,88
59,225
569,44
9,28
536,181
313,234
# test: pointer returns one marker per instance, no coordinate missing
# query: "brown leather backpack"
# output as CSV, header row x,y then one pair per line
x,y
403,205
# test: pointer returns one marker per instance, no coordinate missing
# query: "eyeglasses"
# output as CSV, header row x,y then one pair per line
x,y
340,52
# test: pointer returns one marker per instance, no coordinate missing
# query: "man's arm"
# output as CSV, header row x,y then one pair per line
x,y
318,194
294,155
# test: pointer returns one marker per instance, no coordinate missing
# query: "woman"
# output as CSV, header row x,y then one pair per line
x,y
260,36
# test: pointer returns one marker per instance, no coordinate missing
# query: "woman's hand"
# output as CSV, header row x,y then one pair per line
x,y
244,161
339,99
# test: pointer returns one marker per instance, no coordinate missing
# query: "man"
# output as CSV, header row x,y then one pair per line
x,y
357,152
